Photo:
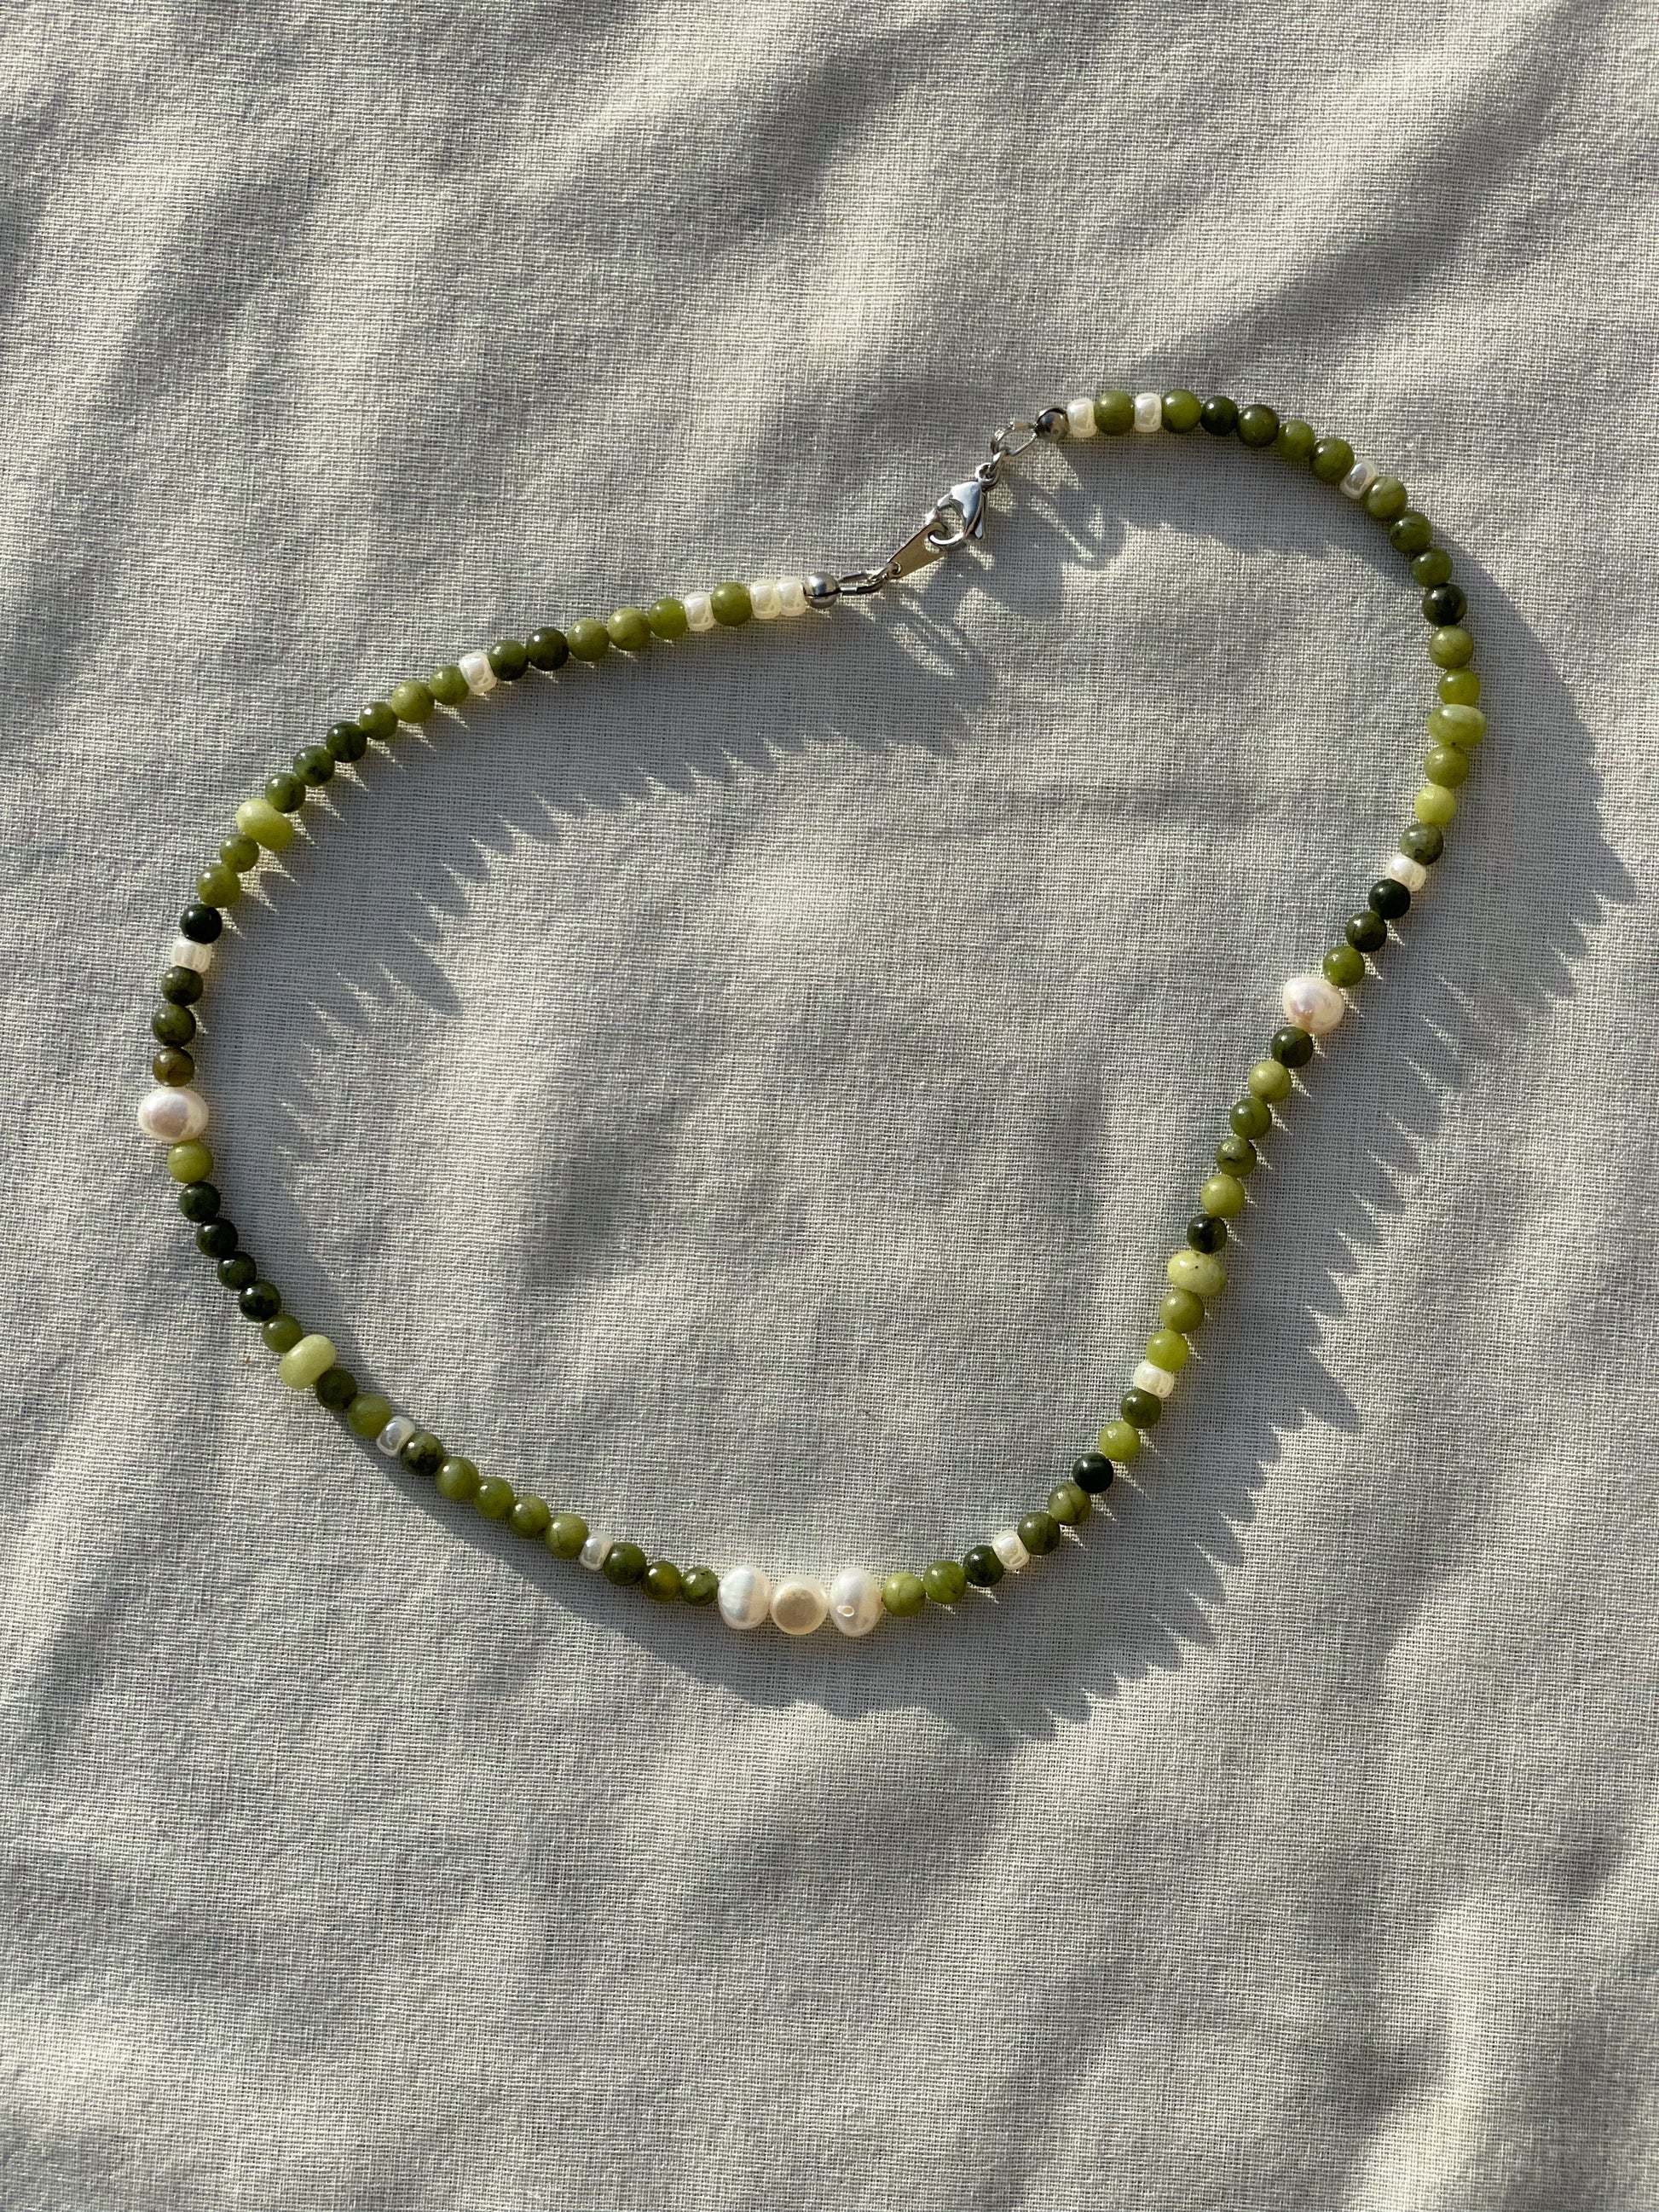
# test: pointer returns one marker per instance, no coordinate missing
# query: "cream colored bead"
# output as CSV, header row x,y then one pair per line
x,y
855,1605
763,598
792,596
395,1435
480,676
1010,1547
1080,415
699,612
1313,1004
595,1551
1158,1380
1405,870
1149,411
171,1116
1359,481
798,1607
311,1356
185,952
746,1597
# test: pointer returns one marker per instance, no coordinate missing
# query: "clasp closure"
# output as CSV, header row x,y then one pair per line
x,y
956,517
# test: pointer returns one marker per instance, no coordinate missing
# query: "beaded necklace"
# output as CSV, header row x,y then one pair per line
x,y
175,1113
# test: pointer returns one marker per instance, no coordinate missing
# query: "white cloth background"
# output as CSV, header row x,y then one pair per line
x,y
749,1095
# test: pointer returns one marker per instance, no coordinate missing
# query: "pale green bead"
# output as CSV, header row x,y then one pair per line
x,y
1201,1273
1120,1440
1435,804
311,1356
1269,1080
1223,1194
258,819
1168,1349
1455,725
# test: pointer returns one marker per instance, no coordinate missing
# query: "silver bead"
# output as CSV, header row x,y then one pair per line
x,y
821,589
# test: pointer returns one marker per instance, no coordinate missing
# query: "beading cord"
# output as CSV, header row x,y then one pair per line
x,y
175,1113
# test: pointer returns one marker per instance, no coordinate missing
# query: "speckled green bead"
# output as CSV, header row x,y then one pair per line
x,y
368,1414
457,1479
1237,1155
219,887
239,853
530,1516
1039,1532
190,1161
1258,426
1181,1309
1432,567
624,1563
281,1335
1343,966
1459,686
1250,1117
315,765
1167,1348
666,618
335,1388
1446,764
730,604
699,1586
1069,1503
1114,413
1435,804
508,657
904,1593
1181,410
1331,460
629,629
944,1581
1296,440
1201,1273
1222,1195
1457,725
1451,647
412,701
1270,1080
448,686
343,742
588,639
494,1497
1385,499
172,1025
565,1534
663,1581
1411,534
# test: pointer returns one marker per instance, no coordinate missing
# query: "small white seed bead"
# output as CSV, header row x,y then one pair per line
x,y
855,1605
699,614
1359,481
185,952
792,596
746,1597
1080,414
480,676
1010,1547
1149,411
1405,870
763,598
395,1435
798,1607
173,1116
1313,1004
595,1551
1158,1380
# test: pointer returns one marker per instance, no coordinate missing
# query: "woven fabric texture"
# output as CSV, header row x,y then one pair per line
x,y
748,1094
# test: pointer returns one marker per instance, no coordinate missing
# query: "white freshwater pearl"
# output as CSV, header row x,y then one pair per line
x,y
395,1435
1080,414
185,952
1405,870
1359,481
1149,411
1158,1380
763,597
480,676
595,1551
792,596
1010,1547
699,614
1312,1004
171,1116
798,1607
746,1597
855,1604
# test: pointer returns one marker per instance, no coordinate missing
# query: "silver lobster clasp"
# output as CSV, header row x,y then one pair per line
x,y
964,506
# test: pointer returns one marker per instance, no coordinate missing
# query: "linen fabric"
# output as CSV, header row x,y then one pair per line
x,y
747,1094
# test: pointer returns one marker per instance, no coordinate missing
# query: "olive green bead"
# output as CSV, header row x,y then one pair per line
x,y
666,618
285,793
346,742
1114,412
1432,567
174,1025
1201,1272
315,765
983,1567
173,1067
1167,1348
530,1515
448,686
1039,1532
181,986
699,1586
1459,686
588,639
281,1335
1411,534
549,648
1457,725
629,629
1343,966
457,1479
1422,843
1270,1079
1296,440
412,701
1435,804
1451,647
367,1415
1237,1155
565,1534
1119,1440
663,1581
336,1387
1145,1408
258,819
944,1581
239,853
1069,1503
624,1563
904,1593
1385,499
1222,1195
1180,1309
1181,410
1446,764
1332,459
190,1161
494,1497
218,887
1250,1117
508,659
730,604
379,720
1258,426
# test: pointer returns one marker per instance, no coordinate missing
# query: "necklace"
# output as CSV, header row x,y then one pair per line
x,y
175,1113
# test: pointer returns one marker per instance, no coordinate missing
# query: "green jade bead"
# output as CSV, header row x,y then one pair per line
x,y
1167,1348
285,793
379,721
1250,1117
258,819
1201,1273
1343,965
1459,686
335,1388
588,640
412,701
190,1161
699,1586
1114,413
1119,1440
1435,804
299,1367
368,1414
904,1593
549,648
1451,647
1296,440
1258,426
172,1025
667,619
1180,1309
1069,1503
448,686
457,1479
530,1516
730,604
1039,1532
1270,1081
944,1581
663,1581
344,741
314,765
565,1534
508,659
1385,500
1237,1155
281,1335
1446,764
219,886
494,1498
1411,534
1222,1195
1432,567
239,852
1332,459
982,1566
624,1564
1181,410
629,629
1457,725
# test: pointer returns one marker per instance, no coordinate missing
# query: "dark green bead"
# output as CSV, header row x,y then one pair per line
x,y
1432,567
629,629
1093,1473
1367,932
1292,1047
217,1240
172,1024
699,1586
412,701
903,1595
203,925
1445,604
285,792
379,720
530,1516
1423,841
1343,966
199,1201
982,1567
173,1067
313,764
1251,1117
218,887
1142,1409
336,1387
346,742
1220,416
944,1581
181,986
282,1333
1257,425
1207,1232
1039,1532
367,1414
450,688
1385,499
1236,1155
1411,534
623,1564
663,1581
237,1272
588,639
423,1454
239,853
508,659
1296,440
457,1479
565,1534
1181,410
260,1301
667,619
548,649
1069,1503
494,1497
730,604
1389,899
1114,413
1332,459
